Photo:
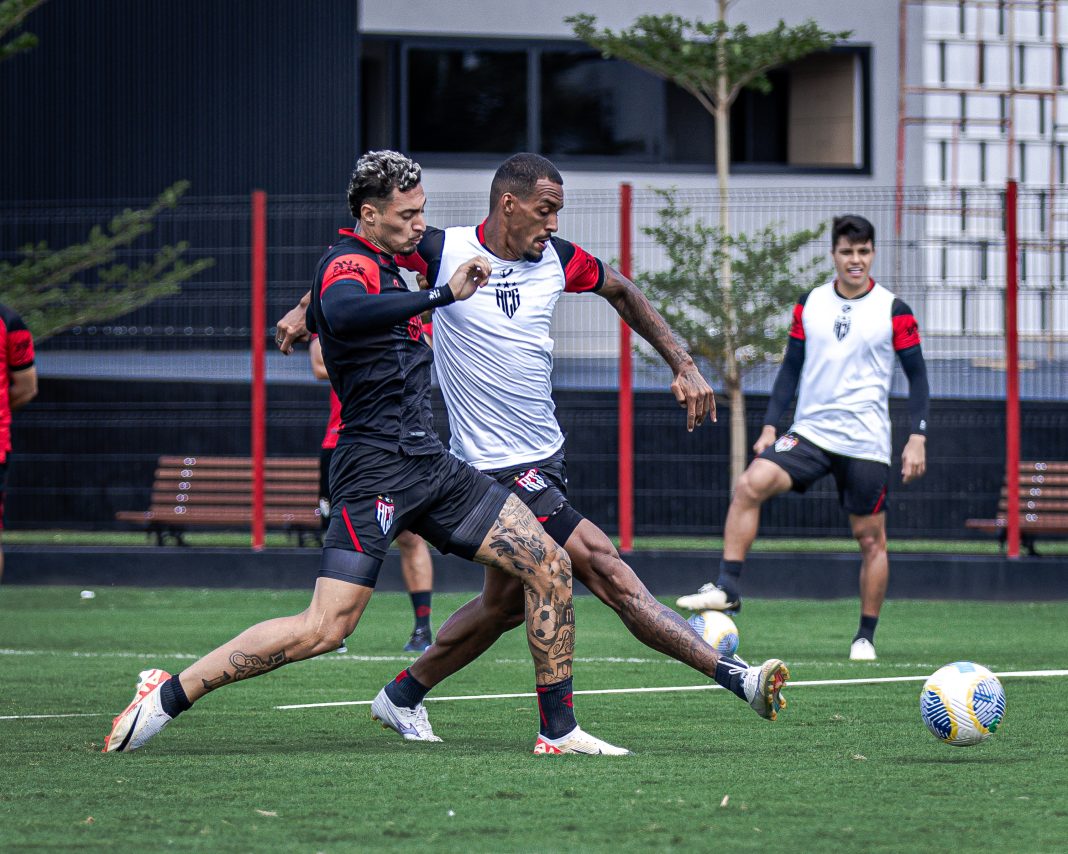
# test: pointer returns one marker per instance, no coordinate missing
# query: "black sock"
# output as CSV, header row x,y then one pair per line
x,y
729,673
406,690
730,571
421,608
867,628
172,697
556,709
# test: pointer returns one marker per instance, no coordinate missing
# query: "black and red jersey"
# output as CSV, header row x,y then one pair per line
x,y
16,350
371,334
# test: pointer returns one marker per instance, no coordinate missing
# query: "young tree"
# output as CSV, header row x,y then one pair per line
x,y
714,62
734,329
43,287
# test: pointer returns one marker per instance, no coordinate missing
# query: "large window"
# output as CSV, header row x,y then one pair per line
x,y
470,101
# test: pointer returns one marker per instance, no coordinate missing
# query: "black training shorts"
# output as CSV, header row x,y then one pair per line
x,y
542,486
862,484
376,494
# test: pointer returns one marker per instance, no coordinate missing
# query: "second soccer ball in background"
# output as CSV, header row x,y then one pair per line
x,y
717,629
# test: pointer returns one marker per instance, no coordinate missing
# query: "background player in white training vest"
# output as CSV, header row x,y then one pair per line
x,y
841,350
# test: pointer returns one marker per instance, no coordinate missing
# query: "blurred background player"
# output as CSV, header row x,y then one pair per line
x,y
18,389
840,352
417,567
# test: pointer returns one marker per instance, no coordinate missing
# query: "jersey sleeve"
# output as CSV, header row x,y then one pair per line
x,y
583,273
797,325
20,353
906,329
350,268
426,259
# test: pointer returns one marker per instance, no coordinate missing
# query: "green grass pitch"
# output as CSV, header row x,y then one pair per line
x,y
848,767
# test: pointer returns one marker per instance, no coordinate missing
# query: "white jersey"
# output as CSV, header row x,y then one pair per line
x,y
850,345
493,353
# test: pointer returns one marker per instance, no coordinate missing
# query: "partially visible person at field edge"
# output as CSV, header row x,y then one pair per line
x,y
493,365
18,389
389,474
840,361
417,567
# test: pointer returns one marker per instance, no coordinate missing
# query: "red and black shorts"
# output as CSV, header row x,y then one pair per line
x,y
542,486
862,484
377,494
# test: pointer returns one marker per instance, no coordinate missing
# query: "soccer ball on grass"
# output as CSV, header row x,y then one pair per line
x,y
962,703
717,630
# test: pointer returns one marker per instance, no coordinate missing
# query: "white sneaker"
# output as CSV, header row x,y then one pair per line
x,y
862,649
578,741
413,724
143,718
762,686
710,598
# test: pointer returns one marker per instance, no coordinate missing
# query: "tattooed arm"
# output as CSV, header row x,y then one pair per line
x,y
689,387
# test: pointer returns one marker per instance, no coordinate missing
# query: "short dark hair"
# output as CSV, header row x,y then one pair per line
x,y
377,175
518,175
853,228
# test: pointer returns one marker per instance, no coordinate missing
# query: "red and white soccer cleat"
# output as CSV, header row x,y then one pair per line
x,y
143,718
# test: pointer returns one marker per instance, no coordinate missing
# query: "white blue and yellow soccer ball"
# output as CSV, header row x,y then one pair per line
x,y
717,630
962,703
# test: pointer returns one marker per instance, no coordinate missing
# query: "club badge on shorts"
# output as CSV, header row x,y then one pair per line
x,y
384,512
531,481
785,442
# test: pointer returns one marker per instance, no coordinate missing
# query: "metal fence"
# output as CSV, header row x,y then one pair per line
x,y
125,383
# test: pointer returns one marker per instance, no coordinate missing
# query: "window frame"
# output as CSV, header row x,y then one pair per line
x,y
398,47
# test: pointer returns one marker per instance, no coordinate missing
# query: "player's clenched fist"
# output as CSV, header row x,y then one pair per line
x,y
470,276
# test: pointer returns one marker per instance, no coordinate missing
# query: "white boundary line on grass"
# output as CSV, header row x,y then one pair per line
x,y
679,688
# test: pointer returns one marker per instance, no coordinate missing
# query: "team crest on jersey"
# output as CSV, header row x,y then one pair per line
x,y
531,481
415,327
384,512
785,442
842,323
508,297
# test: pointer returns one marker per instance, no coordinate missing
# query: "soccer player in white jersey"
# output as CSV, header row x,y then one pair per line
x,y
493,365
840,351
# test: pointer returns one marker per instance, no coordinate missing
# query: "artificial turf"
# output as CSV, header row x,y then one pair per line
x,y
848,767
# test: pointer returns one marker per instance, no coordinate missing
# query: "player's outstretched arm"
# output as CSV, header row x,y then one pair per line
x,y
691,390
914,455
293,326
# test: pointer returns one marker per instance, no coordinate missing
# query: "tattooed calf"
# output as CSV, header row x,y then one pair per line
x,y
246,665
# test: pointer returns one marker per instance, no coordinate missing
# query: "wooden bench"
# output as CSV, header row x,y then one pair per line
x,y
216,492
1043,505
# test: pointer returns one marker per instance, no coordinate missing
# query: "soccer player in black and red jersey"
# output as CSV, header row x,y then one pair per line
x,y
18,388
417,567
390,473
840,360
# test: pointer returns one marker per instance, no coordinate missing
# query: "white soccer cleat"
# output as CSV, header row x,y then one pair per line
x,y
413,724
862,649
762,686
143,718
578,741
710,598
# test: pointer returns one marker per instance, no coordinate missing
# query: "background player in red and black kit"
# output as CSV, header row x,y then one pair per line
x,y
390,474
417,567
18,388
841,350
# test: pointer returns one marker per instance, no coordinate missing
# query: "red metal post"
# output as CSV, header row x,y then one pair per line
x,y
1012,377
626,392
258,326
